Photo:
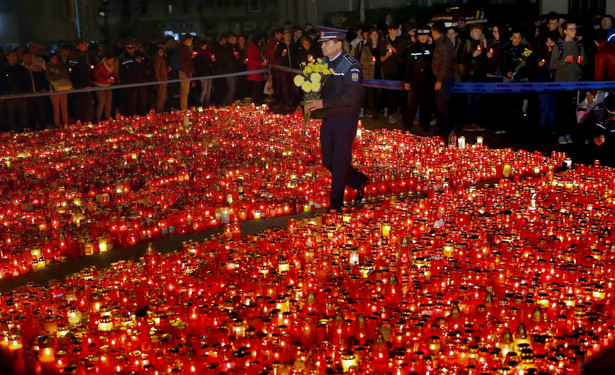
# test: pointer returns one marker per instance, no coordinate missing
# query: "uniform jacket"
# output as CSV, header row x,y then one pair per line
x,y
132,71
417,67
341,93
444,61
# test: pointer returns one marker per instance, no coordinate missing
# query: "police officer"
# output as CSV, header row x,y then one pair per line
x,y
339,109
134,69
420,80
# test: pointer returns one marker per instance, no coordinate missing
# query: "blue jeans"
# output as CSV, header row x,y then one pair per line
x,y
547,110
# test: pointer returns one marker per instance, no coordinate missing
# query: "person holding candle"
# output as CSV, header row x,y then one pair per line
x,y
256,61
161,73
444,65
339,109
57,75
105,75
472,56
204,66
364,54
567,60
80,66
185,56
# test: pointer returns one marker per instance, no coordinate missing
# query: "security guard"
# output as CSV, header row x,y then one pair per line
x,y
420,80
339,109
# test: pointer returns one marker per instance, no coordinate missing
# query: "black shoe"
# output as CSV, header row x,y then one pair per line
x,y
361,191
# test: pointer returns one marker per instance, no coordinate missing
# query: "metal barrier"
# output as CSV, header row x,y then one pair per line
x,y
458,87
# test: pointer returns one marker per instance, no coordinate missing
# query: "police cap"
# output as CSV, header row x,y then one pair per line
x,y
329,33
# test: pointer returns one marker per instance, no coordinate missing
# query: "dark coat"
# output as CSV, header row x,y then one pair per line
x,y
444,61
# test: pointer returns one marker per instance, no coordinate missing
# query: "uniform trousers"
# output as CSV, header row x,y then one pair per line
x,y
336,138
420,94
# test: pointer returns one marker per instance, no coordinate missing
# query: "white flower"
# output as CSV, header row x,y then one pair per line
x,y
316,86
299,80
306,86
315,77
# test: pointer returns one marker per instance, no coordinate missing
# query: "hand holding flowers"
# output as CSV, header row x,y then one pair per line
x,y
314,75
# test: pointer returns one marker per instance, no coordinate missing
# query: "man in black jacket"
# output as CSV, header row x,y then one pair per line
x,y
420,78
134,68
339,109
16,81
80,67
444,64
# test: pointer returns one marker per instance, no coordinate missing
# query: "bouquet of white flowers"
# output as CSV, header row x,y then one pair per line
x,y
314,75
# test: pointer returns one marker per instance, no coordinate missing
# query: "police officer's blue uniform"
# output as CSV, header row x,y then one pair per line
x,y
341,95
419,74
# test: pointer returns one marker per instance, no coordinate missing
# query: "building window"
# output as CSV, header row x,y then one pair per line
x,y
222,3
255,6
185,6
238,2
208,3
143,7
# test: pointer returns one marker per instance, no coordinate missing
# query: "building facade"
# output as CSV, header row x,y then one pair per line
x,y
47,21
57,21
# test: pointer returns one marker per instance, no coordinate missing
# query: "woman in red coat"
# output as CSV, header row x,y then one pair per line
x,y
105,75
256,62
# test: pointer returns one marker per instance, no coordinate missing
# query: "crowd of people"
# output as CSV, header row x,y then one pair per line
x,y
429,59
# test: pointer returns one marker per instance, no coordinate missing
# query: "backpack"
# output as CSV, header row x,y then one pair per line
x,y
560,48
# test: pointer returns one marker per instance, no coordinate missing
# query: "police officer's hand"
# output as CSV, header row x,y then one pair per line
x,y
312,105
407,85
438,86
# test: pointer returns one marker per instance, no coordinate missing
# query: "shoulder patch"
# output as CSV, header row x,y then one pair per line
x,y
355,77
350,59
